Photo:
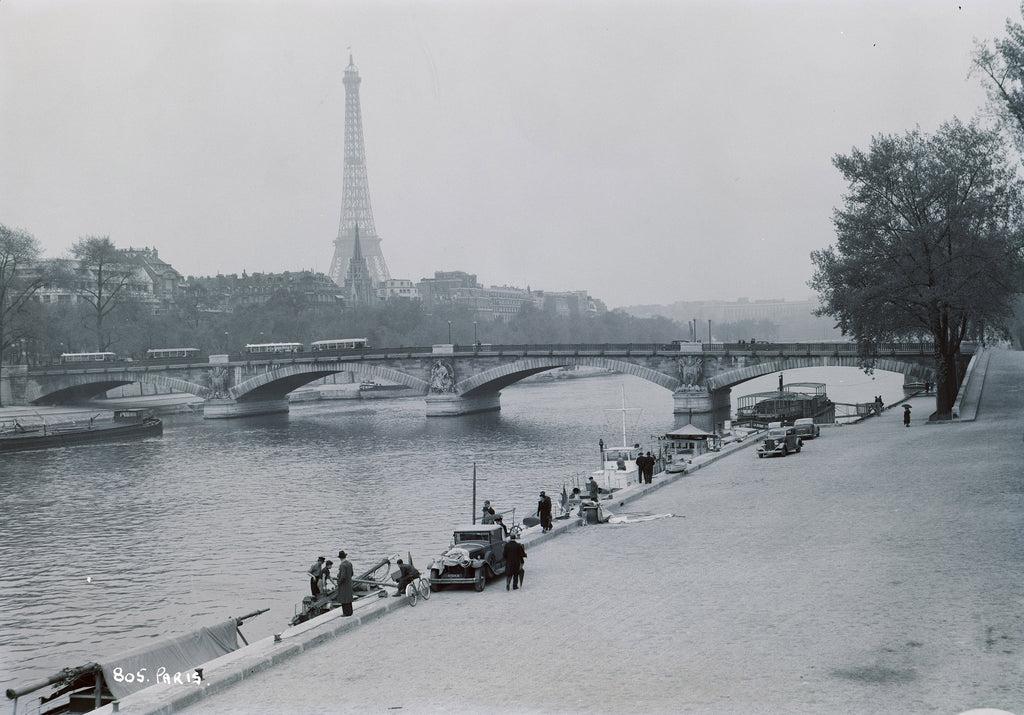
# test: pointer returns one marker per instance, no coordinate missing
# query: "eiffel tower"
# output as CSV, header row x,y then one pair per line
x,y
355,194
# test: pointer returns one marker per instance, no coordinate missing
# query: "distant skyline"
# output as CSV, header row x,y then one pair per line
x,y
646,152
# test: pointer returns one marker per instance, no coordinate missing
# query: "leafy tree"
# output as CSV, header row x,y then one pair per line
x,y
19,252
929,243
104,278
1002,67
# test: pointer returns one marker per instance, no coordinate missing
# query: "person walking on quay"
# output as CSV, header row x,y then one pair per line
x,y
514,555
544,512
593,489
906,415
314,576
649,463
343,594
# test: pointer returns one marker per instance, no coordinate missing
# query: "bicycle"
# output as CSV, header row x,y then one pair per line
x,y
418,588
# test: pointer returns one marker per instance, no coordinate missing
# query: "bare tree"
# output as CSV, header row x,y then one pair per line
x,y
20,278
103,278
1002,67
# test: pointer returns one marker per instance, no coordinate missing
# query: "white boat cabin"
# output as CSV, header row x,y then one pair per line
x,y
620,468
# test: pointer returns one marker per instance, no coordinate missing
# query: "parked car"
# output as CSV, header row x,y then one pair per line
x,y
806,429
476,554
780,441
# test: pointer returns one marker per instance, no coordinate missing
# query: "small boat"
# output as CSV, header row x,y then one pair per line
x,y
128,423
619,468
166,660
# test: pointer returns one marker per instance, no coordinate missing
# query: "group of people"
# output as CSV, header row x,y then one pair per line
x,y
645,468
878,405
321,582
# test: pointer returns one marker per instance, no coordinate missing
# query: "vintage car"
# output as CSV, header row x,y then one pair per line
x,y
806,429
476,553
781,440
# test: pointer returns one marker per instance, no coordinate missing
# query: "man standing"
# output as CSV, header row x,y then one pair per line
x,y
544,512
514,555
314,576
343,594
649,476
906,415
592,489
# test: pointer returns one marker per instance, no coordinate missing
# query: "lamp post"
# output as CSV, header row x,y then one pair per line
x,y
476,341
449,332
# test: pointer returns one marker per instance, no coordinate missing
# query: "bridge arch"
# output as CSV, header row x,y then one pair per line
x,y
77,387
735,376
501,376
276,383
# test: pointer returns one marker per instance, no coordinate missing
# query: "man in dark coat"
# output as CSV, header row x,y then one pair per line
x,y
343,594
514,555
544,512
407,574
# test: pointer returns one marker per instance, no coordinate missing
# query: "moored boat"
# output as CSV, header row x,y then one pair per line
x,y
127,423
618,464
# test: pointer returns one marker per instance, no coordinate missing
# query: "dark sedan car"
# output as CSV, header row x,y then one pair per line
x,y
476,554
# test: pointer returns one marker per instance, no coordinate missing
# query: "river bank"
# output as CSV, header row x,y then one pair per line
x,y
876,571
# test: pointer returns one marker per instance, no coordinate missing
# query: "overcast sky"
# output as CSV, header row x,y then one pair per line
x,y
646,152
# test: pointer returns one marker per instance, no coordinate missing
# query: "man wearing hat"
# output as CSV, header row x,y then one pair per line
x,y
343,594
314,575
514,555
544,512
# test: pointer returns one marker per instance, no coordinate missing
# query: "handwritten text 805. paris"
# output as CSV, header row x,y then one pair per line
x,y
162,676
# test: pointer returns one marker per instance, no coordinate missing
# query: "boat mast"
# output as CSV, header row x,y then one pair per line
x,y
623,387
624,410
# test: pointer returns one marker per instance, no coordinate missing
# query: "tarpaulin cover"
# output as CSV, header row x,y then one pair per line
x,y
166,658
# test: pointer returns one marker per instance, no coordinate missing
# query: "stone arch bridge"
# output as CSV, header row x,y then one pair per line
x,y
458,380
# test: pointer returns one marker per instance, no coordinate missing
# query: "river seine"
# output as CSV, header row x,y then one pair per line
x,y
105,547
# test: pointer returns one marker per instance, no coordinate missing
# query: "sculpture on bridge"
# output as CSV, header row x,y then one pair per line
x,y
442,377
217,379
691,369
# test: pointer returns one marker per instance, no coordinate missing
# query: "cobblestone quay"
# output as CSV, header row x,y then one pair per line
x,y
877,571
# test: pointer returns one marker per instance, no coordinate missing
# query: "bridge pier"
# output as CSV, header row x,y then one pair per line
x,y
13,383
219,408
450,405
707,410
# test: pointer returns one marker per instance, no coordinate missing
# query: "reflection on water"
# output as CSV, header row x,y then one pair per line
x,y
106,546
